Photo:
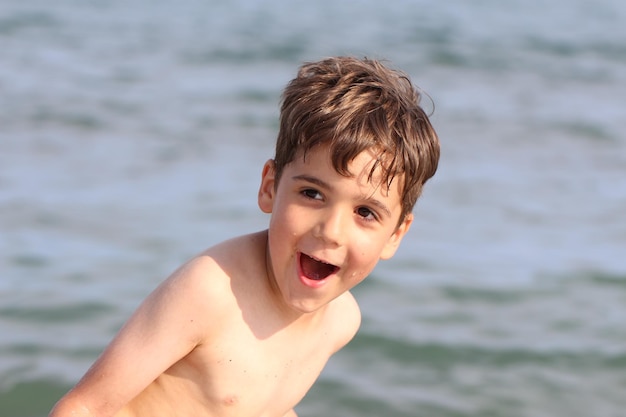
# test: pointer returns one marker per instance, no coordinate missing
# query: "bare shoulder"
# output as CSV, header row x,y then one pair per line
x,y
224,260
240,254
345,315
206,280
195,304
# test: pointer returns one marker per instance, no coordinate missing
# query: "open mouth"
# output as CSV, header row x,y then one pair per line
x,y
315,269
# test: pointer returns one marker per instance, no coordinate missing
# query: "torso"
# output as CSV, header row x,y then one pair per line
x,y
253,361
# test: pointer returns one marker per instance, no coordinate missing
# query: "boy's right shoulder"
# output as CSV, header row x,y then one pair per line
x,y
204,284
217,266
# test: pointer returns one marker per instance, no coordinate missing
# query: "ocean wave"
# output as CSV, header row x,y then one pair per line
x,y
34,398
65,313
445,356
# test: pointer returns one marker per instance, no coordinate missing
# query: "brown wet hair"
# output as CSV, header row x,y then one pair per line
x,y
353,105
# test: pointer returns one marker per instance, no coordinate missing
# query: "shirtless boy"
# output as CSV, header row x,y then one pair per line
x,y
245,328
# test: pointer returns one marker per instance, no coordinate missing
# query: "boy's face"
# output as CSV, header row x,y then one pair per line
x,y
327,231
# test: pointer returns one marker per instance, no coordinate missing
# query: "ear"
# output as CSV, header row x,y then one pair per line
x,y
267,190
394,240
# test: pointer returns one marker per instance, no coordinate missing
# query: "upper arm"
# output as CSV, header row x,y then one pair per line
x,y
165,328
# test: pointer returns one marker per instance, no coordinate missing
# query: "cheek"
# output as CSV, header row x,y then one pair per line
x,y
287,221
369,246
366,256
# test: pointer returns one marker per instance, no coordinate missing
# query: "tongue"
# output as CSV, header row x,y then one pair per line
x,y
315,270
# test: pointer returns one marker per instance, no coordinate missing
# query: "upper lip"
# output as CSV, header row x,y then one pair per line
x,y
320,259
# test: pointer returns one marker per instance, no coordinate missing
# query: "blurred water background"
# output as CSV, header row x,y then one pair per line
x,y
132,136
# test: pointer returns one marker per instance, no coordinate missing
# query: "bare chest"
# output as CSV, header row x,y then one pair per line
x,y
244,376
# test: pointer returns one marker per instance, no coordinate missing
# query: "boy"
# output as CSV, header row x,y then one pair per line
x,y
245,328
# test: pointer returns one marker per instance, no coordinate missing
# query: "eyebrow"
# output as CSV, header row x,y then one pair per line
x,y
313,180
323,184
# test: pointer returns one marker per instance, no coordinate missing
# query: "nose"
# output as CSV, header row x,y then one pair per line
x,y
331,227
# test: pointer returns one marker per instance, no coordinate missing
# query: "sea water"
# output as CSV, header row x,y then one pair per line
x,y
132,136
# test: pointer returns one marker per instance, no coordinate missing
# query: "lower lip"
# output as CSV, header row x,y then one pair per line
x,y
311,283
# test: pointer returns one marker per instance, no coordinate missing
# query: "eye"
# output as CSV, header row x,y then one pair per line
x,y
311,193
366,213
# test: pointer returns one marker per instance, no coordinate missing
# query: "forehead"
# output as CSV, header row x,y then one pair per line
x,y
367,170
